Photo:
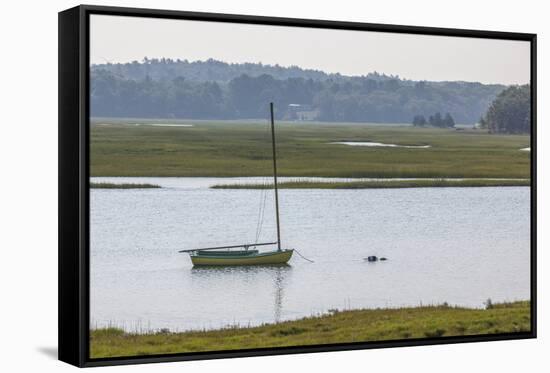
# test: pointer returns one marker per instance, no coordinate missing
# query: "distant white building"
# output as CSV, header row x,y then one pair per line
x,y
301,112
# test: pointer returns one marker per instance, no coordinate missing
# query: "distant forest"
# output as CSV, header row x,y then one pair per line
x,y
165,88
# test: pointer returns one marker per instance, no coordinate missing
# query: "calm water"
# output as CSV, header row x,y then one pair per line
x,y
379,144
459,245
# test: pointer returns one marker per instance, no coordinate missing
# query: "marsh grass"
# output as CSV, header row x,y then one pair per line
x,y
122,186
379,184
335,327
233,148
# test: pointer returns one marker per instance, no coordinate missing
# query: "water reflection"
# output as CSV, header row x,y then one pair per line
x,y
276,274
279,287
206,270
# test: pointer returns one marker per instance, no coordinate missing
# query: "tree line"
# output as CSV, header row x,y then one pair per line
x,y
510,112
216,71
436,120
216,90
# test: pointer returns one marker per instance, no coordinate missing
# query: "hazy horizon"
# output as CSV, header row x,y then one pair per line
x,y
120,39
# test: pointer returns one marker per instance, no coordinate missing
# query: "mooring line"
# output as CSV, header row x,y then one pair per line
x,y
303,257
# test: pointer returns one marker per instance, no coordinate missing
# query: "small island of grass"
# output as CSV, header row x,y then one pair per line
x,y
380,184
122,186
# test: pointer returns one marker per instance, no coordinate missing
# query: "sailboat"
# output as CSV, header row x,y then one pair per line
x,y
224,256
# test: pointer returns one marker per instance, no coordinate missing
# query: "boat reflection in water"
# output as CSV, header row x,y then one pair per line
x,y
278,276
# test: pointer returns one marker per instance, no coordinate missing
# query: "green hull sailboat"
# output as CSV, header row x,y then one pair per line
x,y
240,257
224,256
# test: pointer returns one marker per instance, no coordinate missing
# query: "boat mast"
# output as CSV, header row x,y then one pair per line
x,y
275,177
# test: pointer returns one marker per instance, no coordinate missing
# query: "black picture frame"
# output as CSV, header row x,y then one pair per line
x,y
74,192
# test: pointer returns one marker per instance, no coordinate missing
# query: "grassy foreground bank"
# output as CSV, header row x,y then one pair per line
x,y
337,327
375,184
229,148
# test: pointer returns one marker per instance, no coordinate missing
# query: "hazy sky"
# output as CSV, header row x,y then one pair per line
x,y
416,57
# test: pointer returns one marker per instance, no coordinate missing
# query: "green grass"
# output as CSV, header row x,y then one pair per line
x,y
232,148
337,327
122,186
375,184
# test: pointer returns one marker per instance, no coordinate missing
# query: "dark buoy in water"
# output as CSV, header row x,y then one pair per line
x,y
374,258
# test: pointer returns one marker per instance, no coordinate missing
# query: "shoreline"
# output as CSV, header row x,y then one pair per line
x,y
382,184
256,182
335,327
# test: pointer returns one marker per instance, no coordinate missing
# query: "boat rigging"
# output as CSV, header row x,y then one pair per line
x,y
223,256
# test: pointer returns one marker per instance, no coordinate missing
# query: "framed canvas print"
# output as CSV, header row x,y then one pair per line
x,y
235,186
